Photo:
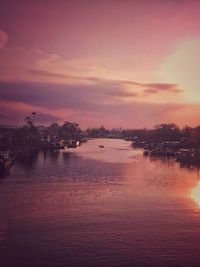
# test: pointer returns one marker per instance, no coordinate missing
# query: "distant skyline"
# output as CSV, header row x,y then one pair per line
x,y
113,62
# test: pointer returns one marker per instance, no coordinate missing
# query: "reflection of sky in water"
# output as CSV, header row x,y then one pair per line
x,y
195,193
99,206
114,151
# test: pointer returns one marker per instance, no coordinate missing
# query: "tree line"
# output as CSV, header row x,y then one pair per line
x,y
30,135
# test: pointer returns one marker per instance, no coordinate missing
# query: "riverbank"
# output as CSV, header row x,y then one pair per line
x,y
177,150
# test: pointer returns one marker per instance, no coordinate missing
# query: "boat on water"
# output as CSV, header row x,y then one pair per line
x,y
73,144
6,159
146,153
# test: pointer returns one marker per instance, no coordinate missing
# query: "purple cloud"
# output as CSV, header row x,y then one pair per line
x,y
98,102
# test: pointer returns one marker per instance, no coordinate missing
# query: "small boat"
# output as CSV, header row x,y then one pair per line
x,y
60,144
146,153
6,159
73,144
101,146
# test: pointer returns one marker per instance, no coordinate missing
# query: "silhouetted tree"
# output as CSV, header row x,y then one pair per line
x,y
54,130
70,130
167,132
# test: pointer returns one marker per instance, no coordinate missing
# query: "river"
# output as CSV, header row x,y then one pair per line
x,y
95,207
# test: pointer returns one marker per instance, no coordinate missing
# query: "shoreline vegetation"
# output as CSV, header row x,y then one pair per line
x,y
163,141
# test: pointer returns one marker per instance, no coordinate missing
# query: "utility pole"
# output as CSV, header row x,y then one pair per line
x,y
33,117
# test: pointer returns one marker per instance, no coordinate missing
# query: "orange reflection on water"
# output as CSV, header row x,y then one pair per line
x,y
195,194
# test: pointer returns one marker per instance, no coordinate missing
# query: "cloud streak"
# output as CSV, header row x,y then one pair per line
x,y
80,96
94,102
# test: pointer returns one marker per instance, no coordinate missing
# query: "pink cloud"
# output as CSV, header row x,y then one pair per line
x,y
97,62
3,38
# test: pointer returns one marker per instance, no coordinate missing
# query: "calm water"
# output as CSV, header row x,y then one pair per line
x,y
96,207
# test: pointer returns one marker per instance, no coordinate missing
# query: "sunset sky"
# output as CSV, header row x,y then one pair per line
x,y
128,63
